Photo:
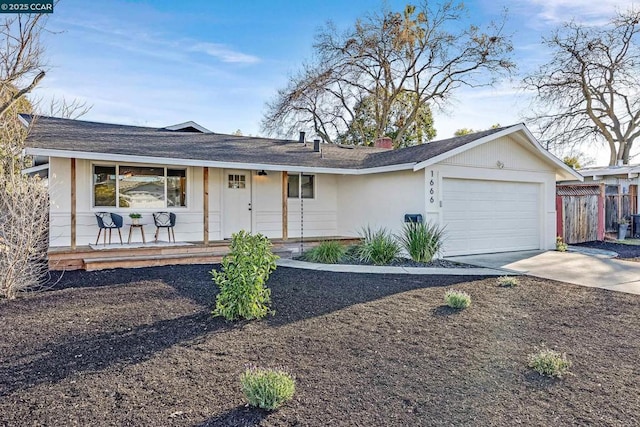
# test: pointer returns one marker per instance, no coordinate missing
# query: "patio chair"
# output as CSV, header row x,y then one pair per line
x,y
165,220
108,221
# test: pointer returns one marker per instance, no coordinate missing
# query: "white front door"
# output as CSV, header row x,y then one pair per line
x,y
237,201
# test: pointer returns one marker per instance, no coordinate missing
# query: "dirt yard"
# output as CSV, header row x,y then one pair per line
x,y
139,348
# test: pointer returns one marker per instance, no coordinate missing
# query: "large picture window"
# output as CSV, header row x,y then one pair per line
x,y
138,187
301,185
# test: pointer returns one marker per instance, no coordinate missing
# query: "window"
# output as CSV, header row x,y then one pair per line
x,y
304,185
237,181
104,185
139,187
176,187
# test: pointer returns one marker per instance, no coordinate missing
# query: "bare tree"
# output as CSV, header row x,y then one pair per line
x,y
24,210
61,107
421,54
24,228
21,57
590,89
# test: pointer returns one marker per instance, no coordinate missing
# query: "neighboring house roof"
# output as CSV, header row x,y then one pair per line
x,y
189,126
82,139
628,171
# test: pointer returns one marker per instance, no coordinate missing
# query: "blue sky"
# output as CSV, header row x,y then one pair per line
x,y
162,62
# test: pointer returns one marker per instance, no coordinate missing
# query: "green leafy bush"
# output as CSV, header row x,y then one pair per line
x,y
457,299
377,246
550,363
422,241
328,252
508,281
267,388
245,271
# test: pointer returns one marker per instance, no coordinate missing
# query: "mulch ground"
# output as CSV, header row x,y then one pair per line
x,y
628,252
139,348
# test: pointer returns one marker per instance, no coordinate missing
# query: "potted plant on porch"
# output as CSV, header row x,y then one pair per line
x,y
135,218
623,226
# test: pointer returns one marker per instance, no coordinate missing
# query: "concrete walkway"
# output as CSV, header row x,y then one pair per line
x,y
598,269
345,268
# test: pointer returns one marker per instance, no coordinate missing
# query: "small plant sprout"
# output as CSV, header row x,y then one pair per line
x,y
267,388
561,246
508,281
549,362
457,299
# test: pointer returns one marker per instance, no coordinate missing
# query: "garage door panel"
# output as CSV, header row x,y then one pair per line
x,y
490,216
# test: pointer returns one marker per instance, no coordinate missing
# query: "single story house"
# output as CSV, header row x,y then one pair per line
x,y
493,190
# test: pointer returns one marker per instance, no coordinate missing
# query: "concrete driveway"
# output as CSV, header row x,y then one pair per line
x,y
600,271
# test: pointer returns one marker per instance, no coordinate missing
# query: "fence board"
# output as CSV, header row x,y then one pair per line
x,y
580,222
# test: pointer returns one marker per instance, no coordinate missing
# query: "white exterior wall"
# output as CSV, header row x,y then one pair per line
x,y
267,204
379,200
320,214
60,202
189,222
501,160
215,204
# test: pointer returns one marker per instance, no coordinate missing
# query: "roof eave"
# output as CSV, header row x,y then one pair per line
x,y
110,157
563,172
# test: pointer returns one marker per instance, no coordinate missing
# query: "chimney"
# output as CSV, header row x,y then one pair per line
x,y
301,139
316,145
384,142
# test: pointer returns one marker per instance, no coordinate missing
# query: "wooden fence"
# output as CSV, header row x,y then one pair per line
x,y
585,212
580,210
619,205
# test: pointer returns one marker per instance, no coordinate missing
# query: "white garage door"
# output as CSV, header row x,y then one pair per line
x,y
490,216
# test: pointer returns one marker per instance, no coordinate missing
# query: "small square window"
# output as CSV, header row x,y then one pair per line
x,y
237,181
298,185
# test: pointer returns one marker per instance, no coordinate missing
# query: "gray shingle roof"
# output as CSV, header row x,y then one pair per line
x,y
76,135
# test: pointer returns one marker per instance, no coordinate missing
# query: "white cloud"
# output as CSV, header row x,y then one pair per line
x,y
592,12
224,54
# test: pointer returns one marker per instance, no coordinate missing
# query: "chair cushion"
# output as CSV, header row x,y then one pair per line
x,y
162,219
106,219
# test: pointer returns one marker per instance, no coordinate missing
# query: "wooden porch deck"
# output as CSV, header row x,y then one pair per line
x,y
138,255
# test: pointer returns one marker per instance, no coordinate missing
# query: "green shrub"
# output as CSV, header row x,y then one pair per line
x,y
550,363
245,271
328,252
508,281
421,241
457,299
377,246
267,388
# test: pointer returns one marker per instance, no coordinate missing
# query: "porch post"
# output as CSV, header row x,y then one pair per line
x,y
205,202
285,206
602,212
73,204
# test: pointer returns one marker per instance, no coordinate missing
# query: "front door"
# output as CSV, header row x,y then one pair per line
x,y
237,201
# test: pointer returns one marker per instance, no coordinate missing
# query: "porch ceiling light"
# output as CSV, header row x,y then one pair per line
x,y
262,173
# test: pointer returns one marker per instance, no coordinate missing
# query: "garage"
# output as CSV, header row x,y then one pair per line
x,y
483,216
